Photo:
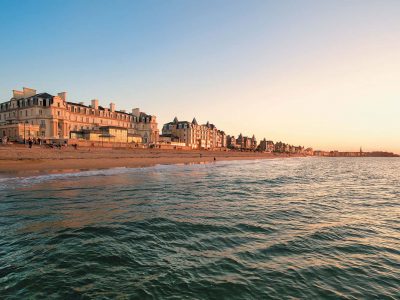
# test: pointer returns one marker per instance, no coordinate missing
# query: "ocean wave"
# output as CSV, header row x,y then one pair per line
x,y
274,229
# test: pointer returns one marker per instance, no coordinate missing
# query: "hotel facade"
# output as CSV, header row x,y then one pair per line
x,y
31,115
193,135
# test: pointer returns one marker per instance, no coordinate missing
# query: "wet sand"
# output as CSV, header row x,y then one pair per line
x,y
19,160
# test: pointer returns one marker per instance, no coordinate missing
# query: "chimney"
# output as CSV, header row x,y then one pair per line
x,y
95,104
136,112
63,95
112,107
123,110
28,92
18,94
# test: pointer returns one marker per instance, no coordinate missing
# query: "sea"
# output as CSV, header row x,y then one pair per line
x,y
298,228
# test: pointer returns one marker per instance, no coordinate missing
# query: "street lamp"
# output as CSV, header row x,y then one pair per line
x,y
26,122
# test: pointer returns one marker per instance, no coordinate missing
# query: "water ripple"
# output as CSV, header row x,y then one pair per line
x,y
269,229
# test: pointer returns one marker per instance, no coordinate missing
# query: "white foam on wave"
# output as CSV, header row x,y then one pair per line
x,y
12,182
24,181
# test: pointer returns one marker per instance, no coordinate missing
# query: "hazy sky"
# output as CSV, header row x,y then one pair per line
x,y
317,73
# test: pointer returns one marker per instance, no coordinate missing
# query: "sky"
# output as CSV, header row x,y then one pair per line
x,y
324,74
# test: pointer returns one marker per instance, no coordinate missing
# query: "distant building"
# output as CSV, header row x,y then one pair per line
x,y
280,147
309,151
360,153
195,136
253,142
298,150
146,126
266,146
231,142
321,153
221,139
244,142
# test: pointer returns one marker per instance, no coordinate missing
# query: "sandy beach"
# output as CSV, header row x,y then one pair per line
x,y
19,160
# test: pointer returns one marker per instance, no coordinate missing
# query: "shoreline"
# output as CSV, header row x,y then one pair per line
x,y
23,162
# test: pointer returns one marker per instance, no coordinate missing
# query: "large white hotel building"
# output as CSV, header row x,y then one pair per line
x,y
29,114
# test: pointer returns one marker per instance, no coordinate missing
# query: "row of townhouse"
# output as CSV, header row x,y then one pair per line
x,y
250,144
193,135
286,148
242,142
29,114
336,153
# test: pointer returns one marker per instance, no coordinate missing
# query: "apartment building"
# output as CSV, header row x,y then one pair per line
x,y
195,136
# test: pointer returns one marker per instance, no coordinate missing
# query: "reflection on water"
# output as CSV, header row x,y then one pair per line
x,y
300,228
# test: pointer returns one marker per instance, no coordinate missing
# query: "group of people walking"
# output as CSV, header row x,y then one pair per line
x,y
38,141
